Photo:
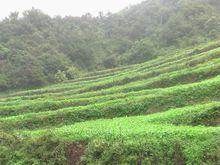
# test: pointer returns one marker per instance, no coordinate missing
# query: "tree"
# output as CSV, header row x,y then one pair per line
x,y
3,82
73,73
60,76
35,46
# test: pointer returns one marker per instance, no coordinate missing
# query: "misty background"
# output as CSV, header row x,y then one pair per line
x,y
65,7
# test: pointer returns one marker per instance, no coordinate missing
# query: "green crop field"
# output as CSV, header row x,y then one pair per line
x,y
163,111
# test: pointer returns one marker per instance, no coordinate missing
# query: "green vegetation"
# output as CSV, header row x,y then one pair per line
x,y
165,110
36,50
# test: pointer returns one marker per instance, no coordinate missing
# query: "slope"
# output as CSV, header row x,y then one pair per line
x,y
163,111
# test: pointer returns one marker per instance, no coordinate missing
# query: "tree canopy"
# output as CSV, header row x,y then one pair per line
x,y
36,49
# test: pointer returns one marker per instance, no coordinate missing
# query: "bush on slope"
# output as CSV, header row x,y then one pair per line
x,y
171,97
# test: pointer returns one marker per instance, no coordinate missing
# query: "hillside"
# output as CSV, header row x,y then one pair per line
x,y
163,111
37,50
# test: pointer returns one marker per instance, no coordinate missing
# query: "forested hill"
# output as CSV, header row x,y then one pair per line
x,y
36,49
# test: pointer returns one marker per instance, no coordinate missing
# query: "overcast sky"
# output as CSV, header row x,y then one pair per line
x,y
65,7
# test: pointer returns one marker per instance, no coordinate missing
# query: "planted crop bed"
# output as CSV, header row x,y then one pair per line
x,y
164,111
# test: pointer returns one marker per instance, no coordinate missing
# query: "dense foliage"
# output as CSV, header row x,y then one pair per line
x,y
36,49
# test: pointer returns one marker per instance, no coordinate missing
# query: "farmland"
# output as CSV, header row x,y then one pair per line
x,y
163,111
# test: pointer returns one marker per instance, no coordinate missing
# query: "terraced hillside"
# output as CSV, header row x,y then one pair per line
x,y
163,111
